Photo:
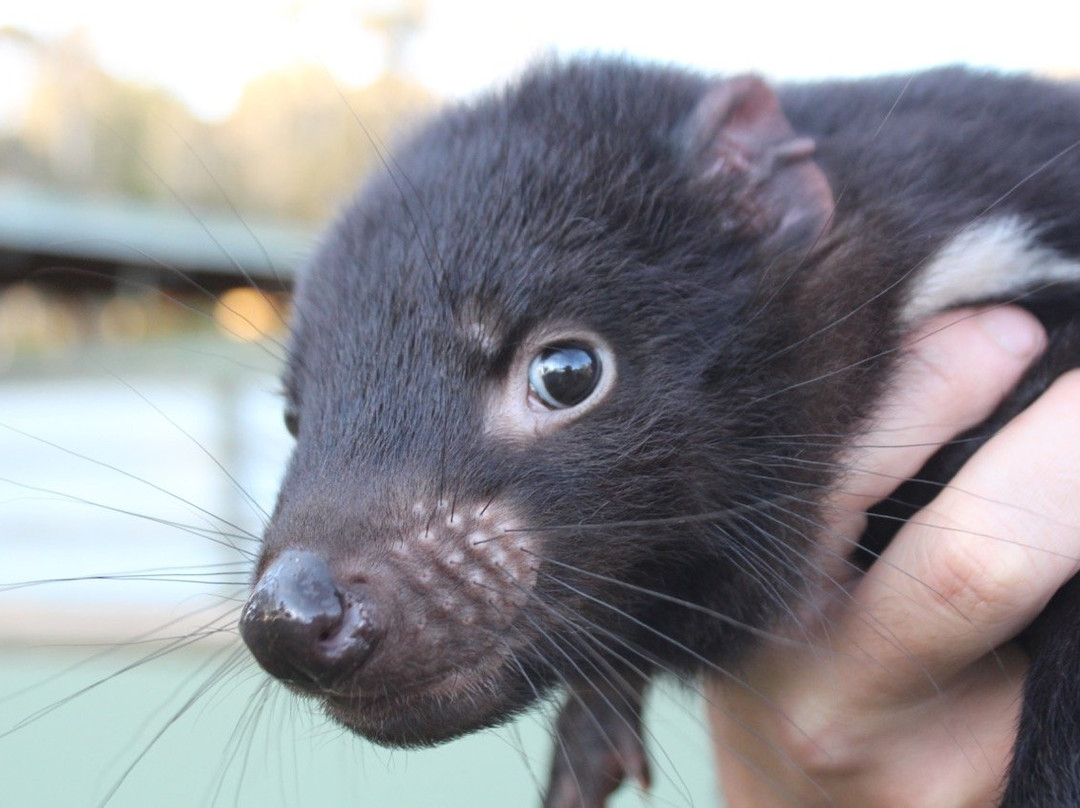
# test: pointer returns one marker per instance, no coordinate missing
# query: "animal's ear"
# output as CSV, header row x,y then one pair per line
x,y
738,135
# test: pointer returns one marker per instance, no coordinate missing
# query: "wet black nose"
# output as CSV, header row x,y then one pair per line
x,y
302,628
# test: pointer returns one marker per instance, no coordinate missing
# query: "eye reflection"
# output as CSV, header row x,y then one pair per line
x,y
564,375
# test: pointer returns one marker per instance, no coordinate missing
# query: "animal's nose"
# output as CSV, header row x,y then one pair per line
x,y
303,628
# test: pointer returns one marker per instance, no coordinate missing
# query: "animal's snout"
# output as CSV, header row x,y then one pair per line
x,y
305,629
399,626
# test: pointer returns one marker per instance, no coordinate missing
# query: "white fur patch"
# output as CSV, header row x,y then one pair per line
x,y
994,260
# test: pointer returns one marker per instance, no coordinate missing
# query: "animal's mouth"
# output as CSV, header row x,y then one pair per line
x,y
430,712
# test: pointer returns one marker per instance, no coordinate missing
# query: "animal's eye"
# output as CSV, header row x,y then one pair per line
x,y
564,374
292,420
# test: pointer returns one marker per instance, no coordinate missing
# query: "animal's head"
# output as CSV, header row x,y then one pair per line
x,y
532,383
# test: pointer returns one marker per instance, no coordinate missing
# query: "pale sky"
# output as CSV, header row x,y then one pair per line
x,y
205,50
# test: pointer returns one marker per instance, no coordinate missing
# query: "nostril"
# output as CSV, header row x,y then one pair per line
x,y
302,628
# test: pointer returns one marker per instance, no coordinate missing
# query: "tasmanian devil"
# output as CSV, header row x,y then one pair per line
x,y
569,380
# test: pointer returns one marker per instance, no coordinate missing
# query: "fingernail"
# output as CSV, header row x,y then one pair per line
x,y
1015,330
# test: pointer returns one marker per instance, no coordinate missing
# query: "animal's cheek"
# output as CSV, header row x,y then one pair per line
x,y
462,566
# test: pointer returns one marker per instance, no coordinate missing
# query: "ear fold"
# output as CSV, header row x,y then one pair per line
x,y
738,133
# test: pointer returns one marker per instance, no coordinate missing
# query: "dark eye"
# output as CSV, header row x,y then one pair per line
x,y
563,375
292,420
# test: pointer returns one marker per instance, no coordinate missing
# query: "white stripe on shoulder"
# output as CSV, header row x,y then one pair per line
x,y
994,260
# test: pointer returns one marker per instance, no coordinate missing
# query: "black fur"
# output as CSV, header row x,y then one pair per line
x,y
745,363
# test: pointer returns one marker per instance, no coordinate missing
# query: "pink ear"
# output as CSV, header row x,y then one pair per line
x,y
738,130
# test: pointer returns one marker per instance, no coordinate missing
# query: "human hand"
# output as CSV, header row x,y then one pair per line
x,y
909,692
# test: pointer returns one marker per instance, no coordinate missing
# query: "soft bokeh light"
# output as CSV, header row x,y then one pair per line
x,y
123,318
30,321
247,314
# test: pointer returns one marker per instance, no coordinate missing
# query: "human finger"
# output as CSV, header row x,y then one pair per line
x,y
956,369
974,567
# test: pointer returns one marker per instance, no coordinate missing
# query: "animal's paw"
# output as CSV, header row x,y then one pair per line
x,y
598,745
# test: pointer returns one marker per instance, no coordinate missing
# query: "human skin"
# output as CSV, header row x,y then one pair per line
x,y
907,693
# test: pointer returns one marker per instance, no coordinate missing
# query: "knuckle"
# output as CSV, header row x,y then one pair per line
x,y
819,744
980,578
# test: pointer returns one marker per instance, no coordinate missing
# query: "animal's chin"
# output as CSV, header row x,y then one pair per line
x,y
429,714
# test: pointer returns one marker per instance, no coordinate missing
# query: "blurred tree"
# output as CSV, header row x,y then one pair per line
x,y
89,130
300,142
295,145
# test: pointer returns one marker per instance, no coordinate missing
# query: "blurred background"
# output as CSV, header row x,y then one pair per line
x,y
164,172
